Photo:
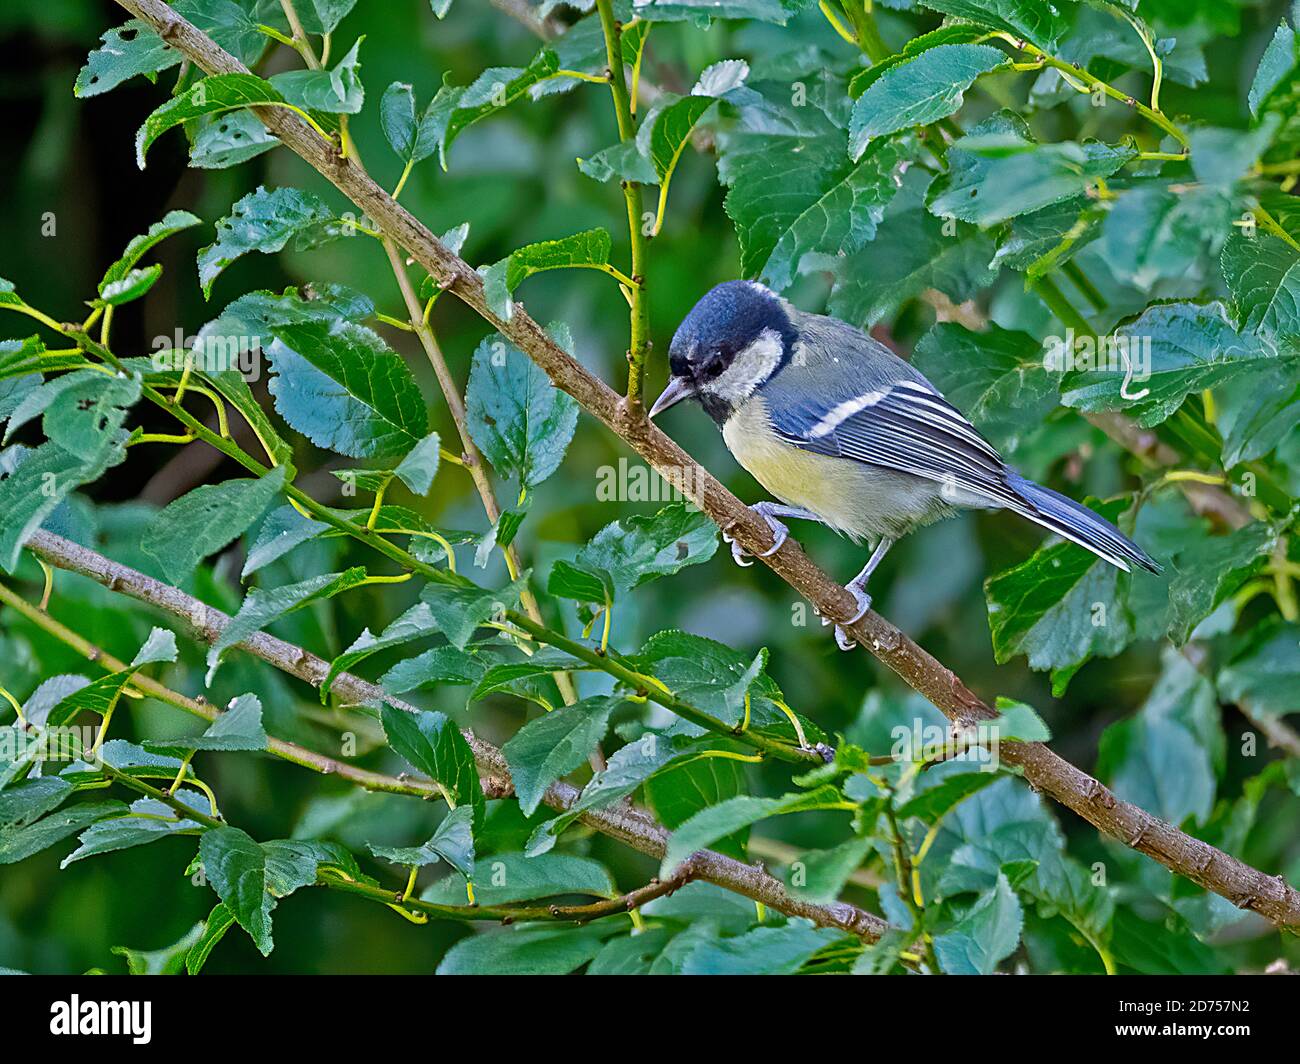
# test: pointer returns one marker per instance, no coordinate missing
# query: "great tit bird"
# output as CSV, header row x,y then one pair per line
x,y
844,432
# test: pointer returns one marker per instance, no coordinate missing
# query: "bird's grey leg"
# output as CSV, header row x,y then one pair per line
x,y
857,587
769,512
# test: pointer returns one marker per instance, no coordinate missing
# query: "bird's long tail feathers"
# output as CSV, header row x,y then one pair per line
x,y
1078,524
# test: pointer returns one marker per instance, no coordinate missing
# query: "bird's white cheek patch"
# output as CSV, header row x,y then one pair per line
x,y
750,368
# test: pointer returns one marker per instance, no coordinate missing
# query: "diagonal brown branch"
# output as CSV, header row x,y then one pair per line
x,y
1271,896
628,824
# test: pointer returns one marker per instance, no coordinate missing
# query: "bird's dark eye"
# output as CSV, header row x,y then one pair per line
x,y
712,364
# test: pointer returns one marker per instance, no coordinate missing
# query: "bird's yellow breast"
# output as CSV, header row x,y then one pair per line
x,y
826,486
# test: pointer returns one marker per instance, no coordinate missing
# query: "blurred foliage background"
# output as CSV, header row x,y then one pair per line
x,y
514,180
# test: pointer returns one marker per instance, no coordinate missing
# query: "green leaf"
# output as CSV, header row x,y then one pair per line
x,y
218,923
160,646
434,745
20,841
266,221
169,960
206,520
586,249
434,668
701,11
948,33
1222,157
1277,93
671,130
1019,723
997,172
1210,570
1278,60
1188,347
413,139
1263,674
337,91
582,585
250,878
1033,21
707,674
517,417
628,553
239,727
49,694
455,109
453,842
628,768
1163,949
454,839
133,286
9,296
997,378
226,140
1061,606
1043,240
506,878
173,222
718,821
1164,758
795,197
212,95
41,481
820,875
1164,230
625,161
84,411
458,611
984,936
323,16
152,820
527,951
99,696
133,48
631,954
341,386
680,791
124,52
283,529
1263,275
420,465
934,803
913,250
414,623
371,480
401,128
128,758
262,606
30,799
553,745
762,951
22,363
920,91
1258,409
507,675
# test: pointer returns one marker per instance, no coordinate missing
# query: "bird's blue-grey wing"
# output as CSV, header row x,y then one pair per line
x,y
903,425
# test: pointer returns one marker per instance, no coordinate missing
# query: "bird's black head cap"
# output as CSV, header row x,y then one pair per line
x,y
727,320
732,341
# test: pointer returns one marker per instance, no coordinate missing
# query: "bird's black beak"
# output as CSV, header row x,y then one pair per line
x,y
678,388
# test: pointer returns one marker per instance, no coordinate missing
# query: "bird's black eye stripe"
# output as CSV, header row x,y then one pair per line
x,y
714,364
